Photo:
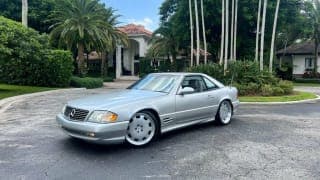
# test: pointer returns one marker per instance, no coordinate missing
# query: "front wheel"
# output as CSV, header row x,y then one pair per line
x,y
142,129
224,114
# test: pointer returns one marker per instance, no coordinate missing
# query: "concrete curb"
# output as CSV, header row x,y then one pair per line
x,y
279,103
6,102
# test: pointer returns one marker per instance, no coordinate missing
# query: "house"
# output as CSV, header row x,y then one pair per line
x,y
300,57
124,59
127,57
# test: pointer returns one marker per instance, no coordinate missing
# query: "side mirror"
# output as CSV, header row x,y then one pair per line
x,y
186,90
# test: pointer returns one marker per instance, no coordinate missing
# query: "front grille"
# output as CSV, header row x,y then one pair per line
x,y
75,114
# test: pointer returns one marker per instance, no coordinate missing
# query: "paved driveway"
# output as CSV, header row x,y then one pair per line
x,y
263,142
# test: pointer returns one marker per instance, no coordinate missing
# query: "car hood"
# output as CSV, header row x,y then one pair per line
x,y
112,99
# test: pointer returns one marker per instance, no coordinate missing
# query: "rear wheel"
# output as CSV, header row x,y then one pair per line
x,y
142,129
224,114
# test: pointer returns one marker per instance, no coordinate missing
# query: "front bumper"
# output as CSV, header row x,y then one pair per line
x,y
98,133
235,105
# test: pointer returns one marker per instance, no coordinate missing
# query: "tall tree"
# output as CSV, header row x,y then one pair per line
x,y
24,12
235,31
82,24
273,36
258,32
191,33
204,34
226,43
232,29
222,32
263,33
316,33
197,32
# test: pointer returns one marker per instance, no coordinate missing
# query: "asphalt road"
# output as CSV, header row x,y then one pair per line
x,y
262,142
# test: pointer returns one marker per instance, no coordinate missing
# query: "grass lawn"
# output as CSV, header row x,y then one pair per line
x,y
14,90
297,96
307,84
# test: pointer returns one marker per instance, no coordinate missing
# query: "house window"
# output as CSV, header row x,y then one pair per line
x,y
308,63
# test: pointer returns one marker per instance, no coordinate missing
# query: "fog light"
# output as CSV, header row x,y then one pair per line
x,y
91,134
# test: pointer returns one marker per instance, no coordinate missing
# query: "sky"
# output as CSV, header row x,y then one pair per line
x,y
143,12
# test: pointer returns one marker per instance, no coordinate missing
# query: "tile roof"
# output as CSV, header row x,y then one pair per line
x,y
132,29
306,47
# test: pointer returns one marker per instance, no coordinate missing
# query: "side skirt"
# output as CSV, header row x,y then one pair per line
x,y
183,125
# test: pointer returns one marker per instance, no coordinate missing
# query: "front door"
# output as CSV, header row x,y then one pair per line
x,y
196,105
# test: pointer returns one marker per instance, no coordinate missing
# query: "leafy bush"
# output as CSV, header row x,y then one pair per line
x,y
27,59
287,86
86,82
247,77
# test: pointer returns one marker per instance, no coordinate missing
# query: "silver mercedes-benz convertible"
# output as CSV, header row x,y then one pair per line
x,y
158,103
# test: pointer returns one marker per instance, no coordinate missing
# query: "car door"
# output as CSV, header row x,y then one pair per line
x,y
214,94
193,106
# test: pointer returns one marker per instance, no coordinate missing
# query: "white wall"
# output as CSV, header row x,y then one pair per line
x,y
298,62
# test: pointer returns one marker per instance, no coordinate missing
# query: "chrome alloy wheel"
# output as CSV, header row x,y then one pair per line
x,y
225,112
141,129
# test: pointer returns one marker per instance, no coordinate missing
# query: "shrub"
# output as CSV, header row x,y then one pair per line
x,y
287,87
27,59
86,82
108,79
247,77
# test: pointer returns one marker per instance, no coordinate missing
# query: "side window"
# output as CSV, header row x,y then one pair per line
x,y
210,85
194,82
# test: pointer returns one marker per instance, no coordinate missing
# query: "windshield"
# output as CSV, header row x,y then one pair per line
x,y
155,82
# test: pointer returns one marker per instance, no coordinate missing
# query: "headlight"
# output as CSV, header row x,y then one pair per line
x,y
103,117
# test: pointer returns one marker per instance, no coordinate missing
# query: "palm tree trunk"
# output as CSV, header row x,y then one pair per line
x,y
104,64
197,31
235,31
24,16
81,66
204,34
316,45
273,36
222,33
232,29
258,32
262,33
226,45
191,32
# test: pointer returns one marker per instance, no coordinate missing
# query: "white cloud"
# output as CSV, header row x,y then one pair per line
x,y
146,22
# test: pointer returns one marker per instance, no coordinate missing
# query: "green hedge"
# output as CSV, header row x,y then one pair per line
x,y
26,57
247,77
86,82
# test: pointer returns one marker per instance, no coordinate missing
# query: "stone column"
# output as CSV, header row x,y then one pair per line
x,y
118,61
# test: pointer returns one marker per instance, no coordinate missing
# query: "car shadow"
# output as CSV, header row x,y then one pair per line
x,y
183,134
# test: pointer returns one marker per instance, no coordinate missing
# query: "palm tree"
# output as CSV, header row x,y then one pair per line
x,y
191,32
222,33
197,31
82,24
235,31
232,29
258,32
273,36
24,16
164,40
316,33
204,34
116,37
262,33
226,44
